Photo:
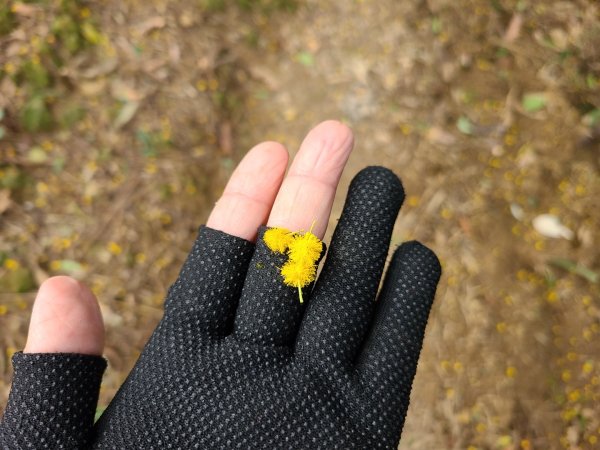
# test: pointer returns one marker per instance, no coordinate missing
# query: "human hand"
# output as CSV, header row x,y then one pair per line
x,y
237,361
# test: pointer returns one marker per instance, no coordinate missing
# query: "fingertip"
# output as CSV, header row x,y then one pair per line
x,y
418,259
335,128
265,157
250,192
66,318
379,178
273,149
306,195
324,151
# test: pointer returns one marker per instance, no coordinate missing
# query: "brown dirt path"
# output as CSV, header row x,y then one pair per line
x,y
485,109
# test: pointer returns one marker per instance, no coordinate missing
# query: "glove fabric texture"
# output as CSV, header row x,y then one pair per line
x,y
237,362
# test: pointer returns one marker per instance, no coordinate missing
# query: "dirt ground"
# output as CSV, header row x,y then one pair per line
x,y
121,122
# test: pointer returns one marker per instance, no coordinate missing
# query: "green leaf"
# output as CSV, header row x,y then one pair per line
x,y
70,267
576,269
90,33
99,412
13,178
18,280
534,101
592,118
149,142
307,59
71,115
591,81
502,52
35,75
436,25
7,19
58,164
35,116
37,155
465,125
213,5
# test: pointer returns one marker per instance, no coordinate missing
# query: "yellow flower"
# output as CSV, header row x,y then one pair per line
x,y
11,264
278,239
298,273
114,248
303,252
305,247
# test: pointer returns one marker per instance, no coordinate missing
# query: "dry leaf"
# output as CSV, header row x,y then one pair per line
x,y
106,66
23,9
4,200
514,28
153,23
550,226
437,135
126,114
225,138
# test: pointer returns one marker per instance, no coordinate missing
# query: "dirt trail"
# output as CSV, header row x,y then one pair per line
x,y
489,111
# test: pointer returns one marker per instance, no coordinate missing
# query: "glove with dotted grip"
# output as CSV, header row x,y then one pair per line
x,y
238,362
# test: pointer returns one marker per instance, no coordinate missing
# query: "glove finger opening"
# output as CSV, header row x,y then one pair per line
x,y
209,285
52,401
269,311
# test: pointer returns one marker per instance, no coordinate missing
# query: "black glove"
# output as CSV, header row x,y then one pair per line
x,y
237,362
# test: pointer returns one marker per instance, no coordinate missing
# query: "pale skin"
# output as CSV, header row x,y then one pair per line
x,y
66,317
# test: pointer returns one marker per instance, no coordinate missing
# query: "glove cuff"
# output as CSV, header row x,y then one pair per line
x,y
52,401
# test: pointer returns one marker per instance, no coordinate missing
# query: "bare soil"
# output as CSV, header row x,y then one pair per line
x,y
488,110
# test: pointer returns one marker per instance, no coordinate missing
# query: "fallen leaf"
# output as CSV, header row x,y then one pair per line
x,y
440,136
576,268
514,28
187,19
465,125
306,59
37,155
550,226
126,114
592,118
517,211
18,280
106,66
153,23
225,138
266,75
534,101
559,38
4,200
174,53
70,267
91,88
36,116
123,91
25,10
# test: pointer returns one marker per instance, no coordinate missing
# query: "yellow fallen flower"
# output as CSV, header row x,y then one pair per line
x,y
303,250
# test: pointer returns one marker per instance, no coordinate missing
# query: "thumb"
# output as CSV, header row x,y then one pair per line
x,y
66,318
57,378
